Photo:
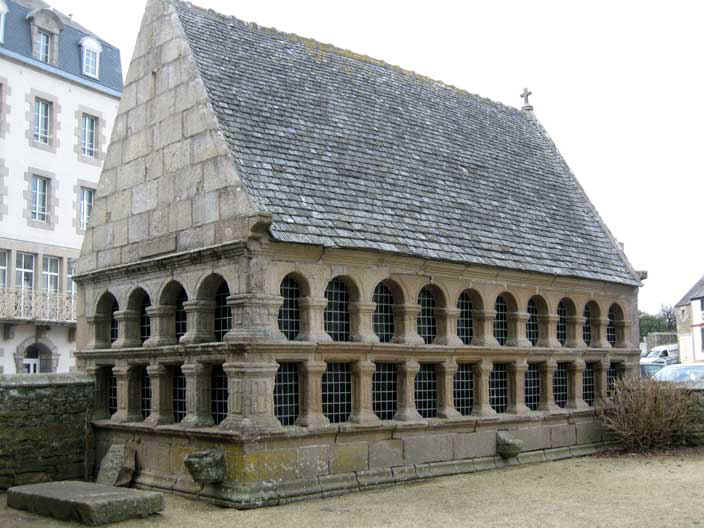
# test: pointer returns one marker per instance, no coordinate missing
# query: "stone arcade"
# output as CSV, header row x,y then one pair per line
x,y
339,273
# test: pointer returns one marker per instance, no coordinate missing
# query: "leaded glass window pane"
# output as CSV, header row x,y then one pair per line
x,y
179,395
532,387
337,392
560,384
611,327
426,322
498,388
180,315
218,394
532,323
587,328
384,390
562,323
383,317
289,313
286,393
465,327
501,321
146,394
463,389
588,384
426,389
337,313
223,313
145,325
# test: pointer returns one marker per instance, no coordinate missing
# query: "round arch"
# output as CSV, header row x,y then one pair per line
x,y
45,350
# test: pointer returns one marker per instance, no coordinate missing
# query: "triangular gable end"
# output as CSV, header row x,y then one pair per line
x,y
169,182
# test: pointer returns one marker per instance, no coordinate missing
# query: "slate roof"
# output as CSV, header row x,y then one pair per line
x,y
350,152
18,40
695,292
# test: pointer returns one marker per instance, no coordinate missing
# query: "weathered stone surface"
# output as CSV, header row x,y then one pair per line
x,y
507,446
206,467
85,502
118,466
427,448
533,438
562,435
350,457
386,453
43,427
471,445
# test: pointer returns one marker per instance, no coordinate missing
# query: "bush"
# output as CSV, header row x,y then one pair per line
x,y
648,414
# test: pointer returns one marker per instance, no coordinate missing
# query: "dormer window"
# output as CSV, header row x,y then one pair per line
x,y
42,45
90,55
3,16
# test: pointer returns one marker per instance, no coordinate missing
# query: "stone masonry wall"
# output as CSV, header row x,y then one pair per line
x,y
44,427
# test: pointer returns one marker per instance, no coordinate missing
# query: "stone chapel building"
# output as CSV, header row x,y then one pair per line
x,y
340,273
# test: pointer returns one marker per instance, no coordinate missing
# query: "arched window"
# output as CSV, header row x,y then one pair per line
x,y
145,327
289,313
223,312
532,331
611,327
113,321
532,387
465,328
501,321
180,315
337,312
426,322
383,317
562,323
587,328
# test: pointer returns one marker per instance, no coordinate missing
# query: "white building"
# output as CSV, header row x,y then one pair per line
x,y
690,323
60,86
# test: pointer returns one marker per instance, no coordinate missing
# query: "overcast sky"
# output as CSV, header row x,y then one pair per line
x,y
619,86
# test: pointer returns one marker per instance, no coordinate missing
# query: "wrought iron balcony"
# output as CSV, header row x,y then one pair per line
x,y
37,305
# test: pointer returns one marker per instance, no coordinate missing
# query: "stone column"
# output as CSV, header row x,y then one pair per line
x,y
311,395
482,373
98,331
405,323
98,374
622,330
575,398
200,322
446,389
250,401
547,397
361,328
575,338
127,329
447,327
547,331
162,320
407,411
128,395
483,326
632,368
517,330
362,407
517,387
197,395
255,317
599,333
162,411
601,383
312,325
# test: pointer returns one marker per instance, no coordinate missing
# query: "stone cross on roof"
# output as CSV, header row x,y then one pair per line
x,y
526,103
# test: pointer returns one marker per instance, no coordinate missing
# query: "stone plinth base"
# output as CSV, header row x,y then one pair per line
x,y
84,502
296,463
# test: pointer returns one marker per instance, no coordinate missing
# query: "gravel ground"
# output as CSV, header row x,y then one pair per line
x,y
606,491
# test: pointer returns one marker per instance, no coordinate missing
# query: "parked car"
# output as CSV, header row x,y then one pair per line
x,y
657,358
690,374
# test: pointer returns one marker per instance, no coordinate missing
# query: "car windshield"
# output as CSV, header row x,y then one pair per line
x,y
649,370
654,353
682,374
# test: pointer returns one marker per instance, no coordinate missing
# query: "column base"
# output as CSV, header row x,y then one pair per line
x,y
484,410
318,338
313,421
408,340
127,343
485,341
371,339
578,405
518,409
193,420
156,419
250,425
247,335
522,342
365,417
550,343
551,408
119,417
158,341
577,343
449,413
192,338
448,341
408,415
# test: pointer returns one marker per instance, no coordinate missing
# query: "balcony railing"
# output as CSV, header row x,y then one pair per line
x,y
37,305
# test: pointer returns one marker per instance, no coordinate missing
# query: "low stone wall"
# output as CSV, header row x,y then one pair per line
x,y
298,463
44,427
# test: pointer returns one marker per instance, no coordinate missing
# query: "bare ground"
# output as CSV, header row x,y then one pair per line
x,y
606,491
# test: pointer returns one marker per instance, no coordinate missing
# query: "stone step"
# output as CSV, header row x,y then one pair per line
x,y
85,502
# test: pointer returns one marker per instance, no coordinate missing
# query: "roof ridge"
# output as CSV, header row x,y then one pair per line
x,y
344,53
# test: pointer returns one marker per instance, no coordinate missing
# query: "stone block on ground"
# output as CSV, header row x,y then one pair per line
x,y
117,466
84,502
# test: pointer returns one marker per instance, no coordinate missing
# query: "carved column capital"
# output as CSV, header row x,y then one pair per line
x,y
405,317
127,329
312,326
255,318
200,322
484,328
447,326
361,329
163,326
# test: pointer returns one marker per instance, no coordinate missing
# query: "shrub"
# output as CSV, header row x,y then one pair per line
x,y
648,414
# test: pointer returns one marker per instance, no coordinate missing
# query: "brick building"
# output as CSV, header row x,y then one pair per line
x,y
340,272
